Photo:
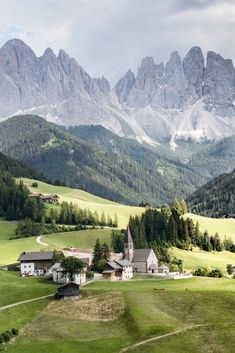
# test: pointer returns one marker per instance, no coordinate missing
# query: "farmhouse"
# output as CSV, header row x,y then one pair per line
x,y
143,260
118,270
229,215
60,277
45,198
68,290
35,263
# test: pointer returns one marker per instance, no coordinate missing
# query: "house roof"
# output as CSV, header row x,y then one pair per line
x,y
124,262
69,284
116,265
141,255
36,256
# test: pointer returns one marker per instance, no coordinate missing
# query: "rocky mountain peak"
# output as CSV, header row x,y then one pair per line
x,y
193,65
124,85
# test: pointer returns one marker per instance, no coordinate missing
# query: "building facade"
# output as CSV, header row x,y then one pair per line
x,y
118,270
143,260
60,277
35,263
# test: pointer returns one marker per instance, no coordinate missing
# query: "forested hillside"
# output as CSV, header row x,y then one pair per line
x,y
216,198
117,169
14,197
17,168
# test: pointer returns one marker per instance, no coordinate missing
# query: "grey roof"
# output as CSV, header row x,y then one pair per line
x,y
124,262
128,237
114,265
36,256
141,255
69,284
117,265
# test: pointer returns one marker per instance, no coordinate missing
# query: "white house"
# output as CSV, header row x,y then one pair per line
x,y
35,263
118,270
60,277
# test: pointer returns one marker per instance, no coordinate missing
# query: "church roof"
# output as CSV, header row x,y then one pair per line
x,y
128,237
141,255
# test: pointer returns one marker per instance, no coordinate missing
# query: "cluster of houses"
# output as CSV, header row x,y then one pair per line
x,y
119,267
54,199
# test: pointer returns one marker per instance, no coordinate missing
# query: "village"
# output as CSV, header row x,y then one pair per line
x,y
119,267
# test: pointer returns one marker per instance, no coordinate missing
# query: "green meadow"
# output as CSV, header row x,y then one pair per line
x,y
141,309
85,200
199,258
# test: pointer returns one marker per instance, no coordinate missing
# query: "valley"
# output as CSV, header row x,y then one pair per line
x,y
117,191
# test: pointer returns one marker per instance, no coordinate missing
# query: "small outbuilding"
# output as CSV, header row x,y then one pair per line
x,y
68,290
163,269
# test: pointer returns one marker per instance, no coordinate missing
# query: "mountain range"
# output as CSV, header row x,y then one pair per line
x,y
185,99
95,159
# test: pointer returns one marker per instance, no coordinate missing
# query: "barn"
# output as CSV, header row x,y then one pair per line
x,y
68,290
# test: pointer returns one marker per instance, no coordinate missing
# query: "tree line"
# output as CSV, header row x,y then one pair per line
x,y
167,227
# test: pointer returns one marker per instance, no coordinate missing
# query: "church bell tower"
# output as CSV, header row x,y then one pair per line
x,y
128,246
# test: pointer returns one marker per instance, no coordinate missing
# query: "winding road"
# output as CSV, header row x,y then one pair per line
x,y
39,241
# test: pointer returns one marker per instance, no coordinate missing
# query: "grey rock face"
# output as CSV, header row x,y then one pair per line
x,y
193,65
219,87
124,85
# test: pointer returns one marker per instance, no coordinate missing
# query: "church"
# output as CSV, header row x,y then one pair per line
x,y
143,260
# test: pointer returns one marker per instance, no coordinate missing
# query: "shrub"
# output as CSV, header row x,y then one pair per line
x,y
14,331
201,271
216,273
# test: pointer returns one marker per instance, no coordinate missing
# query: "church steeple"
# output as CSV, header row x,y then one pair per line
x,y
128,246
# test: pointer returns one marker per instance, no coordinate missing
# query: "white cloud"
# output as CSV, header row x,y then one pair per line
x,y
110,36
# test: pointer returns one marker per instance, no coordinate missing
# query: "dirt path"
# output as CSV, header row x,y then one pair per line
x,y
141,343
24,302
39,298
39,241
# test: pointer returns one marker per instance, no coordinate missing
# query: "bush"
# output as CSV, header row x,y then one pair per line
x,y
202,272
14,331
34,184
216,273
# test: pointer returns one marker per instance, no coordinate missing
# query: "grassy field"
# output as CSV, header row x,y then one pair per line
x,y
139,312
198,258
95,203
13,289
85,200
84,239
224,227
11,249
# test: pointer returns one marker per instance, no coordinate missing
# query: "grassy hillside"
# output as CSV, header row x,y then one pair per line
x,y
198,258
82,326
13,289
224,227
86,200
82,240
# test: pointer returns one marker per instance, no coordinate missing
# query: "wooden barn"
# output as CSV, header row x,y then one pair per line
x,y
68,290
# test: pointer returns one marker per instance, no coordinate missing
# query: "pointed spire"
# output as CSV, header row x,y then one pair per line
x,y
128,237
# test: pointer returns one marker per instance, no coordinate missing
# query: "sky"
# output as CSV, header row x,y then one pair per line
x,y
107,37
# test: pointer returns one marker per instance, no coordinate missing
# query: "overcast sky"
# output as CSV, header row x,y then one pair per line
x,y
107,37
